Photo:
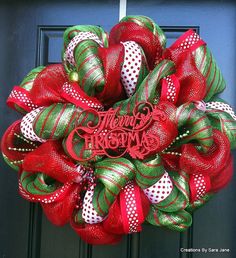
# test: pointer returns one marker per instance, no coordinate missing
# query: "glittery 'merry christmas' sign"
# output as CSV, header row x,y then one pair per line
x,y
108,133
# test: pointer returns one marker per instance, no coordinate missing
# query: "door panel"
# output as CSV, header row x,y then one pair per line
x,y
52,239
34,36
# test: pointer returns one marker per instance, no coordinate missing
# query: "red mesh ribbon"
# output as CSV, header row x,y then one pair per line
x,y
45,91
130,31
14,146
114,221
194,162
113,90
51,86
222,178
171,161
50,159
95,234
60,212
192,82
47,85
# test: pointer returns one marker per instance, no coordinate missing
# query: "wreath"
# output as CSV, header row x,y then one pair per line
x,y
123,131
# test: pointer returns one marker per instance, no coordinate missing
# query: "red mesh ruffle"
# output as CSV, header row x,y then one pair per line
x,y
48,84
129,31
95,234
223,177
14,146
50,159
192,82
112,57
60,212
193,161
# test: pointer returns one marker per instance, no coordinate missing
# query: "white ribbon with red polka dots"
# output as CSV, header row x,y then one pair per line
x,y
160,190
89,214
131,66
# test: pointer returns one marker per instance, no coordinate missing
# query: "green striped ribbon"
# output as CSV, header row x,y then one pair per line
x,y
223,122
199,203
88,63
38,183
148,171
178,221
56,121
149,90
73,31
196,124
179,196
206,64
112,175
148,23
89,67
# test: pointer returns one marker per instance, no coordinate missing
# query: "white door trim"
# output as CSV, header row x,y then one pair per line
x,y
122,9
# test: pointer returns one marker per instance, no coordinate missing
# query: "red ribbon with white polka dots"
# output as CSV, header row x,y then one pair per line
x,y
131,208
190,40
74,94
20,97
199,185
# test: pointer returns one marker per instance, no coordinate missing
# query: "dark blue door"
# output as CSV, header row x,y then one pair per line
x,y
31,34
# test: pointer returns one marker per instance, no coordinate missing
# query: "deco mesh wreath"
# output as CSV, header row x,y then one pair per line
x,y
123,131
